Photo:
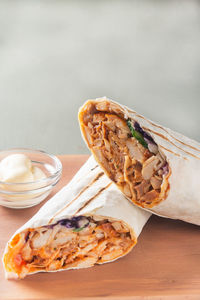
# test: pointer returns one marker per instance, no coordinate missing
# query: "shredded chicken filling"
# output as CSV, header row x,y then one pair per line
x,y
58,247
137,170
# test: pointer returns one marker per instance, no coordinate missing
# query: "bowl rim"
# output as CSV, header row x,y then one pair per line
x,y
58,167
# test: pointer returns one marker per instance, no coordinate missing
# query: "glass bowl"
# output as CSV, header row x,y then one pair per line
x,y
22,195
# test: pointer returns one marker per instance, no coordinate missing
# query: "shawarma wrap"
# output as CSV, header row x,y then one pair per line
x,y
88,222
156,168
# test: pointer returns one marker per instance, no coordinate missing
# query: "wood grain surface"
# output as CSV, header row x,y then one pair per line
x,y
165,264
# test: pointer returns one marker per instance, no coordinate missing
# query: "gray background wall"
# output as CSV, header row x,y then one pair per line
x,y
56,54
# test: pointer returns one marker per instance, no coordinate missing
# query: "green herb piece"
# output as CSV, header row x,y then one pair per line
x,y
78,229
137,135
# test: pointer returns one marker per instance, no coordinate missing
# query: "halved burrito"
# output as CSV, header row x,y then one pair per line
x,y
88,222
156,168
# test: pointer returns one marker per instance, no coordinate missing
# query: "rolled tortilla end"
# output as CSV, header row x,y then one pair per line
x,y
128,155
155,167
88,222
77,242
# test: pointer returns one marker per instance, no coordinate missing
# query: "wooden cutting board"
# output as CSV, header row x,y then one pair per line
x,y
165,264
